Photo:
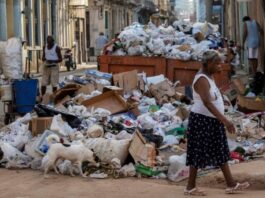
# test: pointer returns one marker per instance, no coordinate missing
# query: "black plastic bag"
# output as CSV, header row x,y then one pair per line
x,y
46,111
258,83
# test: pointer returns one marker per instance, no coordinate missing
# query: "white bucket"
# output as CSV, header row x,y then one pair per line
x,y
6,92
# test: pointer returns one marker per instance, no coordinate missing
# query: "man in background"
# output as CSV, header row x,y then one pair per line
x,y
252,33
101,41
51,57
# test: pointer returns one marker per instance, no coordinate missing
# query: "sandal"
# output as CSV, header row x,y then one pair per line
x,y
239,187
194,192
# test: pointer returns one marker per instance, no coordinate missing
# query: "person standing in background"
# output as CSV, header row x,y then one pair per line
x,y
52,56
101,41
252,33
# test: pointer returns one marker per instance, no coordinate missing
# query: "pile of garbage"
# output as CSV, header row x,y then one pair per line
x,y
183,41
136,128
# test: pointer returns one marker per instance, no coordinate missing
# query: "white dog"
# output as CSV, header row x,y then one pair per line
x,y
75,153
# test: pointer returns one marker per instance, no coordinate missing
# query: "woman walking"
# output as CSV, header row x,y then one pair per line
x,y
207,141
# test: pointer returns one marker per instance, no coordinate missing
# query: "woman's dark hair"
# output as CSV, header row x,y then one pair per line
x,y
246,18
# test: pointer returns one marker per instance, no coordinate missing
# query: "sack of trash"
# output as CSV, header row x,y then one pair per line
x,y
11,58
177,170
13,158
106,150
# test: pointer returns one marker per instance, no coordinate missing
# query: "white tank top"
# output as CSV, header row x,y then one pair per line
x,y
216,98
51,54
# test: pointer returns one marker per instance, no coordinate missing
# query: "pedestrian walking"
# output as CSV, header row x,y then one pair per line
x,y
252,33
101,41
51,58
207,141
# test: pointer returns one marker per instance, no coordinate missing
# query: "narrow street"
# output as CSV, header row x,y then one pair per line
x,y
31,184
147,98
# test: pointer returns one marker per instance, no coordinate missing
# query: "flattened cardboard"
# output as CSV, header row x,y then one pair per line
x,y
109,100
79,100
118,90
161,89
62,93
247,104
86,89
126,80
62,101
141,151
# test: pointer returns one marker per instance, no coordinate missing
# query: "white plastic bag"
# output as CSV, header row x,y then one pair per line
x,y
11,57
18,136
177,170
128,170
60,126
13,157
64,168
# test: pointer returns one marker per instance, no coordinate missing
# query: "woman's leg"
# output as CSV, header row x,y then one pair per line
x,y
192,178
228,176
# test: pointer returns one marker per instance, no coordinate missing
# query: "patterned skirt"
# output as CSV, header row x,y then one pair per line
x,y
207,142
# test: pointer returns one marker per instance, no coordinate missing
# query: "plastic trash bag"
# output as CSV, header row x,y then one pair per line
x,y
156,46
64,168
128,170
18,135
146,121
13,157
36,164
30,148
106,150
136,50
11,57
61,126
46,111
177,170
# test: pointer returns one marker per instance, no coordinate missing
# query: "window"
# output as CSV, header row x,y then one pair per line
x,y
37,22
44,21
28,22
106,20
53,18
87,29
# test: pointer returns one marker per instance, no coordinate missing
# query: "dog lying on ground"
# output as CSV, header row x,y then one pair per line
x,y
77,154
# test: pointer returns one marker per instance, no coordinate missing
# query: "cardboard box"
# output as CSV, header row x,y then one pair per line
x,y
248,105
39,125
109,100
68,90
126,80
141,151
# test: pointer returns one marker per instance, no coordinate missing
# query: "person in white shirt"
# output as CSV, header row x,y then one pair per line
x,y
207,141
101,41
51,57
